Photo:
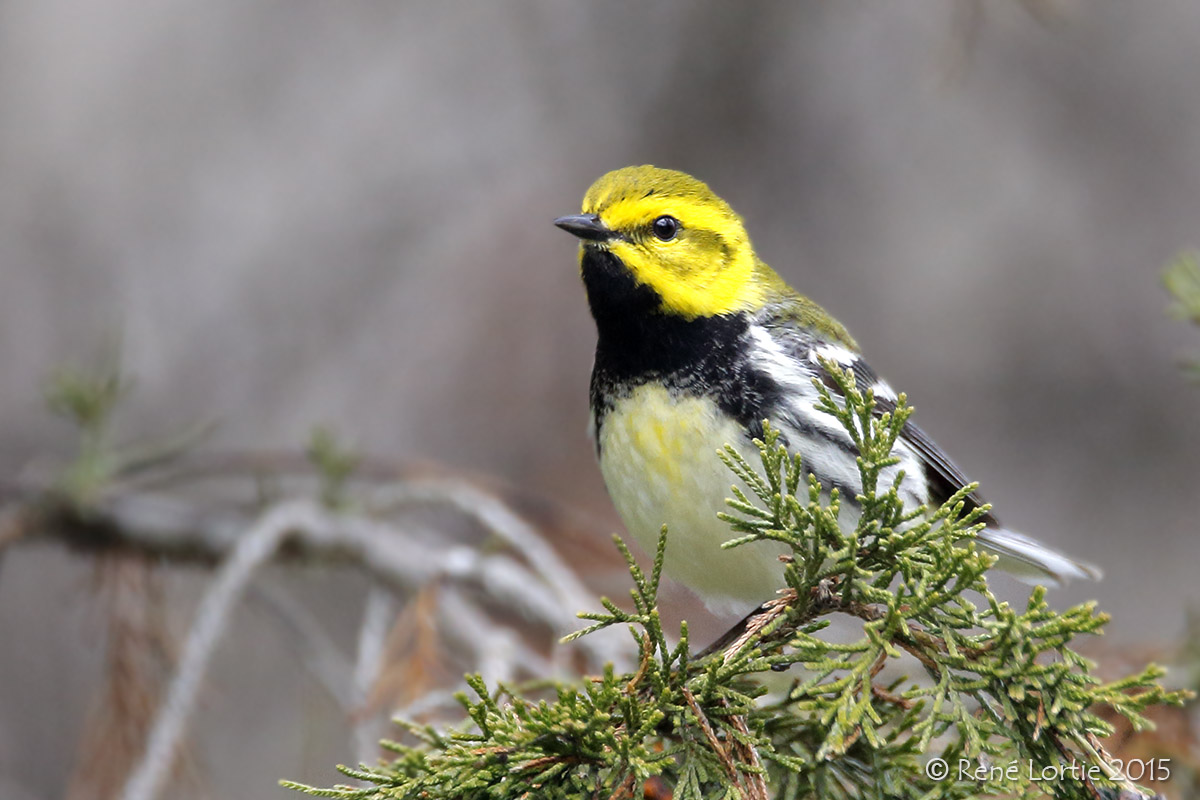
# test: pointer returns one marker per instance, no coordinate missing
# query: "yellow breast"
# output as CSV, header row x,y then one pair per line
x,y
658,454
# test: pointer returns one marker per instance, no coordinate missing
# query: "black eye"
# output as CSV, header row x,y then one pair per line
x,y
665,227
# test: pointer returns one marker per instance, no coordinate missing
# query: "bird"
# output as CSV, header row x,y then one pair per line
x,y
698,343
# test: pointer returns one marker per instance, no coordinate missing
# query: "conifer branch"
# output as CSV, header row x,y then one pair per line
x,y
996,684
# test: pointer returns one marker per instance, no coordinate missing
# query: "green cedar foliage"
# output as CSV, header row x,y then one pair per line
x,y
997,690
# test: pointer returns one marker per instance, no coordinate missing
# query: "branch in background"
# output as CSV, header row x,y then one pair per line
x,y
154,503
526,574
139,659
254,549
378,617
500,650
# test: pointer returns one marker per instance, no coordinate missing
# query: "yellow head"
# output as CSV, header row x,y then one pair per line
x,y
673,236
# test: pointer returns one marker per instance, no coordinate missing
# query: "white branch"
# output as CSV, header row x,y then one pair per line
x,y
498,519
527,577
253,550
499,652
379,612
303,519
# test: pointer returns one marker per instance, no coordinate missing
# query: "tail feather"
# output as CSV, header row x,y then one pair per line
x,y
1030,561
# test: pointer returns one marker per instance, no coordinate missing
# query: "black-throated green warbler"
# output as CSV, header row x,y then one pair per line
x,y
699,342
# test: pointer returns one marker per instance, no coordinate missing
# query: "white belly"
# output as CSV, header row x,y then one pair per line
x,y
658,454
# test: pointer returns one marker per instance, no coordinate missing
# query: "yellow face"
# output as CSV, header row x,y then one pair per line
x,y
676,237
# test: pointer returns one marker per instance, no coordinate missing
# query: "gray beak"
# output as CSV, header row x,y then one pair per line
x,y
586,226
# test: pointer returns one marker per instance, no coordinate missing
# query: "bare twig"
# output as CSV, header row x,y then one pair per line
x,y
753,625
499,520
714,743
171,527
750,782
498,653
253,550
481,592
413,654
379,611
753,780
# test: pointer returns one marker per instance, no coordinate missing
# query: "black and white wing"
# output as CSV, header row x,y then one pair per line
x,y
1020,555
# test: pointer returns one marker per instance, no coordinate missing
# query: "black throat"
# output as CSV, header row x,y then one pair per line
x,y
638,342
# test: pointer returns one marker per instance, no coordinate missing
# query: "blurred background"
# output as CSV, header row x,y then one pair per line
x,y
291,214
